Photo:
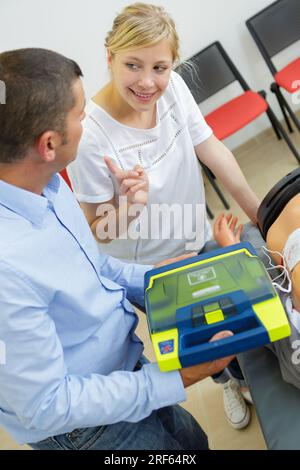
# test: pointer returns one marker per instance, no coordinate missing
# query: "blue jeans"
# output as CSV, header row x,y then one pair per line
x,y
170,428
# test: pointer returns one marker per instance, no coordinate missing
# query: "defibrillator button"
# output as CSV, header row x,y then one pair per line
x,y
214,317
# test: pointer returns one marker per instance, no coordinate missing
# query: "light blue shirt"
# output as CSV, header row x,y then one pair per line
x,y
66,323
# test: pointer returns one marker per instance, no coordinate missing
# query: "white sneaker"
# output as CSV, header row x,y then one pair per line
x,y
247,396
236,409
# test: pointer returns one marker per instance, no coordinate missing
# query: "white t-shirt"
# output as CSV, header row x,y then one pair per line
x,y
174,220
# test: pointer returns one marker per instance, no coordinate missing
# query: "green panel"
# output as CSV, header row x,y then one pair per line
x,y
218,276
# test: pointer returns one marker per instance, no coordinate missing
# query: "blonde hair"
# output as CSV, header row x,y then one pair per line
x,y
142,25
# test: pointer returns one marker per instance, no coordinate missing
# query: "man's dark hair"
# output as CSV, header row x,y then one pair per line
x,y
39,95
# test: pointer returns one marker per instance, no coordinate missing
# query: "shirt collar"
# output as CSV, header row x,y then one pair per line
x,y
29,205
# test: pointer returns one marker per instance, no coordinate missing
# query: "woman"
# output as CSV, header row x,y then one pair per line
x,y
145,118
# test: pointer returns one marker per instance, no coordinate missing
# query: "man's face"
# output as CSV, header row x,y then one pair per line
x,y
67,152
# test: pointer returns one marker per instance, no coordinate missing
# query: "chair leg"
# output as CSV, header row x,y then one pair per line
x,y
264,95
275,89
280,128
209,212
285,107
274,125
215,186
278,135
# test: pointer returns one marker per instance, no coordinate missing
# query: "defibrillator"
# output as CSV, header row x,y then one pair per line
x,y
188,302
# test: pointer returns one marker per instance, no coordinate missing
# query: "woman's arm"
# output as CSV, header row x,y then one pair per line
x,y
224,166
113,221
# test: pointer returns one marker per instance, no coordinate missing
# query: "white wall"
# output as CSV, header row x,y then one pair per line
x,y
77,28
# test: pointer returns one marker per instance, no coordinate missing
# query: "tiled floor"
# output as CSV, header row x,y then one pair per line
x,y
264,161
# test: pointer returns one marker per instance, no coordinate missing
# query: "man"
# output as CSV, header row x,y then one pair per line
x,y
74,376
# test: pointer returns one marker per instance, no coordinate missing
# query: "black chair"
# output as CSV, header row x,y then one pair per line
x,y
211,178
274,29
211,70
209,212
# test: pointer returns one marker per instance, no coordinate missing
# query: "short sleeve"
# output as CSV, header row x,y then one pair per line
x,y
198,127
89,175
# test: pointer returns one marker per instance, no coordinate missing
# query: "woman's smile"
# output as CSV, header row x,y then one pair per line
x,y
143,97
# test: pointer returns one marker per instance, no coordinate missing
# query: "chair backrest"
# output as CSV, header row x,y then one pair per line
x,y
209,71
275,28
65,176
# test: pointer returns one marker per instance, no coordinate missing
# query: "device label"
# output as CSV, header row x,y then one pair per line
x,y
200,276
166,347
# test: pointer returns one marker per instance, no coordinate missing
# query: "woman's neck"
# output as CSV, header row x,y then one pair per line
x,y
109,99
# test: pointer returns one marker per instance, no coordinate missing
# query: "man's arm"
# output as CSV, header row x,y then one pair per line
x,y
131,276
128,275
39,390
37,386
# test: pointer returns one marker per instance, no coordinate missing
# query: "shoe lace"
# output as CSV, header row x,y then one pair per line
x,y
233,398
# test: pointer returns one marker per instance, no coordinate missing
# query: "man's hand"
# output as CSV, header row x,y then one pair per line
x,y
225,231
133,184
193,374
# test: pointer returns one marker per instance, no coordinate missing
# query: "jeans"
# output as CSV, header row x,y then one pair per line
x,y
170,428
252,235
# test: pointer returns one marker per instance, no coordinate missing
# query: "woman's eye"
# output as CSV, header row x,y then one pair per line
x,y
132,66
160,69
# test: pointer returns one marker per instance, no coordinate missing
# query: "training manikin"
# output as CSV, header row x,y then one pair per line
x,y
279,223
283,241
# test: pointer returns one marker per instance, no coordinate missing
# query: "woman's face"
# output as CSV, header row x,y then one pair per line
x,y
141,76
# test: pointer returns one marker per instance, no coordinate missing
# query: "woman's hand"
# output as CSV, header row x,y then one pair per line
x,y
133,184
225,231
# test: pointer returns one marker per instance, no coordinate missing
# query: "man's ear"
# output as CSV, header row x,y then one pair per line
x,y
47,144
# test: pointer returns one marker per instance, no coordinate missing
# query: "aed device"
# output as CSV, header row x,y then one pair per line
x,y
190,301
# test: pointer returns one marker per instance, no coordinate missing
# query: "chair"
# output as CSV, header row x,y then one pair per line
x,y
65,176
211,70
274,29
211,177
209,212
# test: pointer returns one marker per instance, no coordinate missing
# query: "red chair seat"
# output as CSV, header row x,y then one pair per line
x,y
64,174
289,77
236,114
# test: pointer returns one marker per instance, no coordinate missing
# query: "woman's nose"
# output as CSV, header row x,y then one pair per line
x,y
146,81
